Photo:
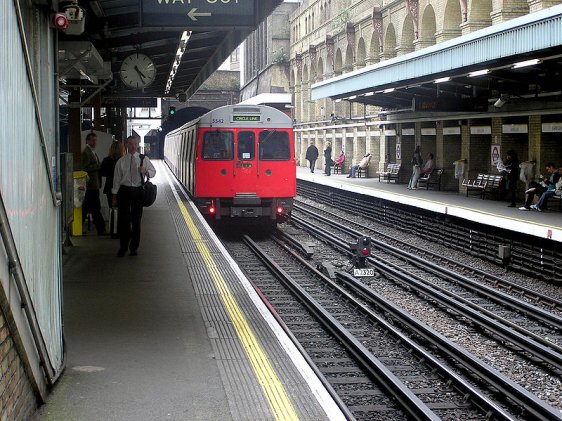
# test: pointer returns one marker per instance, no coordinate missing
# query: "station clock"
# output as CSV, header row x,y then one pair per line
x,y
138,71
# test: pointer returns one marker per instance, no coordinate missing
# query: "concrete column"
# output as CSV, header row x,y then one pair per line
x,y
74,130
535,140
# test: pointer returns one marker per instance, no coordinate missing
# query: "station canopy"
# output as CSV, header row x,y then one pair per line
x,y
516,65
115,29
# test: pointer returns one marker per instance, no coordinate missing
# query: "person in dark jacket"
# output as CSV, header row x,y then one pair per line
x,y
512,167
417,163
328,158
107,168
312,155
91,164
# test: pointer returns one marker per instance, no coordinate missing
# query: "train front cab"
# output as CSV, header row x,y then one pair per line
x,y
246,173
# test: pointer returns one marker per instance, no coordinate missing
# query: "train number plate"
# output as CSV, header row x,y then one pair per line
x,y
363,272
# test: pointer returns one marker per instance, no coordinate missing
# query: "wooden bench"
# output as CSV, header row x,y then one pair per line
x,y
362,172
483,184
431,179
391,173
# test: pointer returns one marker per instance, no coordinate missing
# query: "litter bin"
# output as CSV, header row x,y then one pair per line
x,y
79,193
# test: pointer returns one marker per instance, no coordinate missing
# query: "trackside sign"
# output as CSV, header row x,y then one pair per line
x,y
199,13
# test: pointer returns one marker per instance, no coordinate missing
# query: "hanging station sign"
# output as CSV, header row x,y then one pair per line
x,y
199,13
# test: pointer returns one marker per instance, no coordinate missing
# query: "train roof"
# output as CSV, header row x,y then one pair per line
x,y
240,115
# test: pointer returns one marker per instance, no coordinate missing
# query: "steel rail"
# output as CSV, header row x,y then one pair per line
x,y
496,325
534,406
333,394
554,303
461,384
499,296
409,402
494,295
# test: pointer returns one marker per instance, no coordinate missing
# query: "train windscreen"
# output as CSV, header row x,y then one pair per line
x,y
218,145
274,146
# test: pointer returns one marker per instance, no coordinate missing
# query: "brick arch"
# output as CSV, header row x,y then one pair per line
x,y
361,53
338,62
479,11
348,58
389,46
408,35
428,26
320,69
375,48
452,18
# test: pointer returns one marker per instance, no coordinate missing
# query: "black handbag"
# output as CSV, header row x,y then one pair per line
x,y
149,190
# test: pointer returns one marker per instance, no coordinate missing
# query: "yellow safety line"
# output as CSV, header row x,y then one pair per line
x,y
275,393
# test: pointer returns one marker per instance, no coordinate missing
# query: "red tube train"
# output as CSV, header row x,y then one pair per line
x,y
237,161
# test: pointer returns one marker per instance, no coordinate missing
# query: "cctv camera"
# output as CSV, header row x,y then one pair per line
x,y
501,101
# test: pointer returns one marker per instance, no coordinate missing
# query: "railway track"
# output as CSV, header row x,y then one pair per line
x,y
379,368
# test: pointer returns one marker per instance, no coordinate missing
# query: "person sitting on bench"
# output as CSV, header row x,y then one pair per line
x,y
539,188
362,164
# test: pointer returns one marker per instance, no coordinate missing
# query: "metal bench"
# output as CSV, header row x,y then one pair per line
x,y
362,172
483,184
391,173
431,179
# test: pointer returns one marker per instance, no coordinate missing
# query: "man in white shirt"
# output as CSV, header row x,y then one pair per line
x,y
127,194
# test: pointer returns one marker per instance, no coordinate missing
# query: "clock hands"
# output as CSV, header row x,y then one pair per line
x,y
140,73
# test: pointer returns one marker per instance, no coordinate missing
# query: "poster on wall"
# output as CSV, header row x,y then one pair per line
x,y
398,151
496,154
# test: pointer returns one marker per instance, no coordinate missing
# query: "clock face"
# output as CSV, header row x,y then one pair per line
x,y
138,71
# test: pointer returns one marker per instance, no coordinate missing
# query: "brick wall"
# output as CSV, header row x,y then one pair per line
x,y
17,400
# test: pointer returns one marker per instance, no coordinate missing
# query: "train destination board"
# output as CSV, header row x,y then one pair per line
x,y
199,13
246,118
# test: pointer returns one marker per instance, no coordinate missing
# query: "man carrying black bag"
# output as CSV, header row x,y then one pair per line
x,y
127,195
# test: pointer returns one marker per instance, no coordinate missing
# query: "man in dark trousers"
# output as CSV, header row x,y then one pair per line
x,y
312,155
127,195
91,164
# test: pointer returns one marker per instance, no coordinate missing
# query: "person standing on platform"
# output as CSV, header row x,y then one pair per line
x,y
328,158
116,151
127,195
417,163
512,167
91,164
312,155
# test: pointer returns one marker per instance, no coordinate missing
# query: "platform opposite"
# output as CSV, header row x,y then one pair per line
x,y
493,213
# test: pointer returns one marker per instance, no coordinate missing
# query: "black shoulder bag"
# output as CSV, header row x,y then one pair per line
x,y
149,190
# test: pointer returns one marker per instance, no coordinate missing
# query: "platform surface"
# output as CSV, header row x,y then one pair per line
x,y
491,212
149,337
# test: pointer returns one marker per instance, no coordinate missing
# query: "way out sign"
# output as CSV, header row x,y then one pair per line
x,y
199,13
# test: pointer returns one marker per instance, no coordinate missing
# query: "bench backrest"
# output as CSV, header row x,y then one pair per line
x,y
490,181
393,168
433,175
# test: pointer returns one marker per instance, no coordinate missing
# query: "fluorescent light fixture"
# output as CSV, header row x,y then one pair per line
x,y
352,97
479,73
338,100
369,94
526,63
387,91
179,53
443,79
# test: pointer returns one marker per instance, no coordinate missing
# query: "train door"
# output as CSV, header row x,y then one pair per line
x,y
245,166
215,166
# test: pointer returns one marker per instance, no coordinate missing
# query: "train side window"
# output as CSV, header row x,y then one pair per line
x,y
218,145
246,145
274,146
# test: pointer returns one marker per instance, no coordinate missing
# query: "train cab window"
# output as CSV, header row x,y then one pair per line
x,y
246,146
218,145
274,146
